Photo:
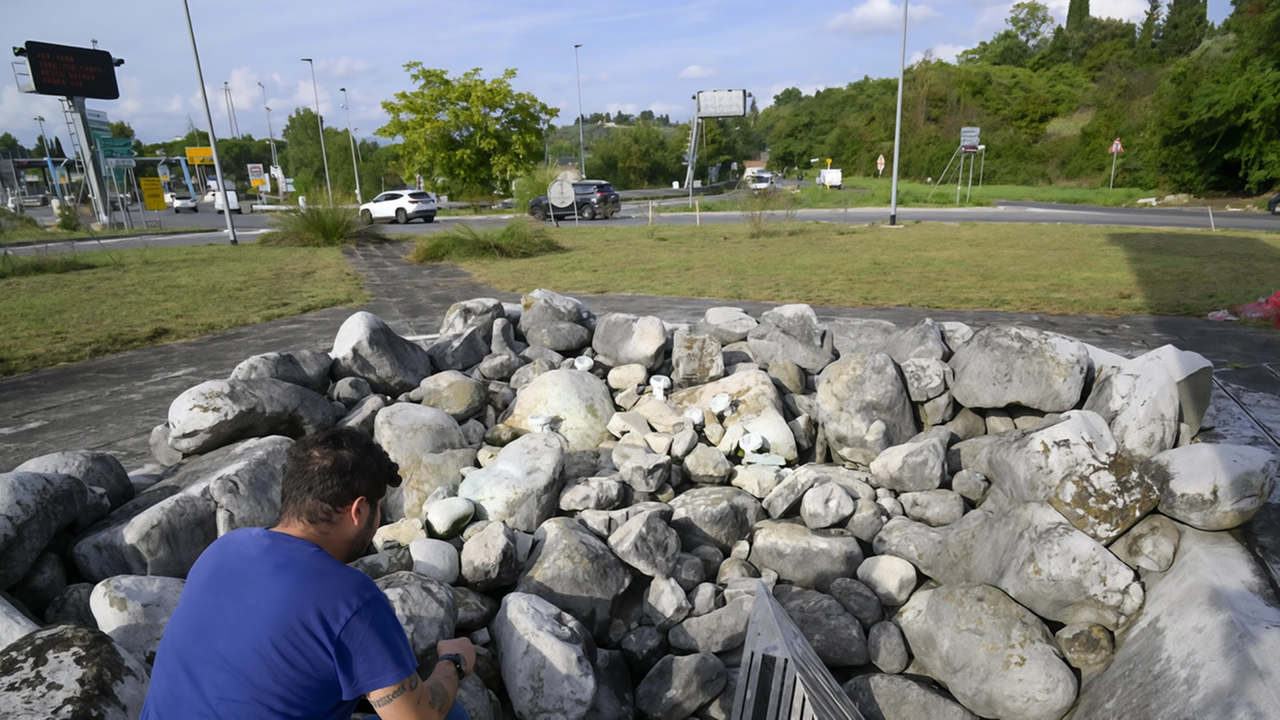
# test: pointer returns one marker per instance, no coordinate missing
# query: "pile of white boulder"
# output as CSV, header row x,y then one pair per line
x,y
997,522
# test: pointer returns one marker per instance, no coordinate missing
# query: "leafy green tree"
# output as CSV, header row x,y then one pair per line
x,y
1077,11
639,156
1151,30
790,96
1185,27
9,142
467,136
121,129
303,161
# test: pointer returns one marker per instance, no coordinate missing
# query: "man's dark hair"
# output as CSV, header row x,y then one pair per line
x,y
331,469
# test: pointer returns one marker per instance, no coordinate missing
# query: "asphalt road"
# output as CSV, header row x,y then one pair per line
x,y
207,226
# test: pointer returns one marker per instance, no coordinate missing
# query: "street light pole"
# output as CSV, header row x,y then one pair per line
x,y
346,105
44,139
213,141
320,121
270,134
897,128
582,146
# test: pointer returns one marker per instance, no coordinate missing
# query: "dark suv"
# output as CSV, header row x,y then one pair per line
x,y
595,199
1274,205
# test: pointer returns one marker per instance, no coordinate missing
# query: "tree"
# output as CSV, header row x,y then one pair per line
x,y
121,129
1076,13
1185,27
9,142
1031,22
466,136
789,96
1150,34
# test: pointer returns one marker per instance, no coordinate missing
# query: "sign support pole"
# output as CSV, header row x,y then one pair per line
x,y
969,195
1113,168
960,176
93,169
897,126
213,141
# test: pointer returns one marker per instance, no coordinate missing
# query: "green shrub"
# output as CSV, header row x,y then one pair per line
x,y
534,183
68,218
11,221
319,226
41,264
520,238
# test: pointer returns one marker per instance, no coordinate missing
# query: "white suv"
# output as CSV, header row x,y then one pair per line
x,y
400,206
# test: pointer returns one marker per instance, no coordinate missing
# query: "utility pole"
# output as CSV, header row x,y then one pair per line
x,y
208,116
897,128
320,121
270,134
44,139
355,165
582,145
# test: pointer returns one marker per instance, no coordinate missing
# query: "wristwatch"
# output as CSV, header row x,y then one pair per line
x,y
458,664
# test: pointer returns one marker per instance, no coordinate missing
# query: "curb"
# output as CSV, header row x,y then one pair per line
x,y
83,238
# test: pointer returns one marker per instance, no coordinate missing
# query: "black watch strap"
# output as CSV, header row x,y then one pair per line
x,y
458,664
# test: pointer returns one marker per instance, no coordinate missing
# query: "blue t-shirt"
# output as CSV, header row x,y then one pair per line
x,y
272,626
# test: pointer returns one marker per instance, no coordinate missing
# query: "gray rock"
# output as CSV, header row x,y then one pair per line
x,y
665,603
593,494
545,657
460,351
490,558
449,516
797,320
81,672
71,607
521,487
42,584
94,469
999,421
706,465
863,407
647,544
887,648
218,412
726,324
579,401
716,516
14,624
308,368
826,505
381,564
1085,646
1214,603
460,396
920,341
351,390
902,697
966,425
1194,377
474,313
561,336
134,610
759,480
615,695
1011,550
573,569
695,359
165,455
436,559
706,597
678,685
33,508
933,507
920,464
399,533
858,599
927,378
790,376
643,648
783,499
717,631
475,610
247,493
771,343
831,631
996,657
365,347
1139,400
626,339
543,305
856,335
970,485
1214,487
891,578
809,558
1014,365
364,414
1152,544
426,608
644,471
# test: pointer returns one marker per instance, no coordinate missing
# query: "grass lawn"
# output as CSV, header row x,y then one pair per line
x,y
42,235
128,299
1025,268
871,192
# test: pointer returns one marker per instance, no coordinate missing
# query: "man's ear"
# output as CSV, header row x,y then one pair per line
x,y
356,511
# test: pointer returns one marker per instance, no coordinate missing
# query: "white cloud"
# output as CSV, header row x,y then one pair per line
x,y
877,16
697,72
1130,10
945,53
342,68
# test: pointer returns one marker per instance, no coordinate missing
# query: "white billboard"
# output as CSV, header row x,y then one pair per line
x,y
722,103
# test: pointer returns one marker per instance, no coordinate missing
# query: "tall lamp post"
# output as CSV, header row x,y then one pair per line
x,y
355,166
213,141
897,127
44,139
582,145
270,133
320,121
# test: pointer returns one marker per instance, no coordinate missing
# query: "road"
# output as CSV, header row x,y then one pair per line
x,y
207,226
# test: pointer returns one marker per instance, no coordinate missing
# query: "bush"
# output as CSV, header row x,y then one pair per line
x,y
11,221
520,238
68,218
320,226
534,183
41,264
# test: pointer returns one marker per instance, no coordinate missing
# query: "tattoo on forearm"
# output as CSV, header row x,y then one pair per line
x,y
439,696
400,689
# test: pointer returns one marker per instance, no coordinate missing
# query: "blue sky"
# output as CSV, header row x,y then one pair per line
x,y
635,56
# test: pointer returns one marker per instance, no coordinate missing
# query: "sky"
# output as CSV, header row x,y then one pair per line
x,y
635,55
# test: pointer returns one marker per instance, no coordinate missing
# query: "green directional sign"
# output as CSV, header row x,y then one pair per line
x,y
115,147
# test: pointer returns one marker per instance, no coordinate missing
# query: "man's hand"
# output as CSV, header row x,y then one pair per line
x,y
459,646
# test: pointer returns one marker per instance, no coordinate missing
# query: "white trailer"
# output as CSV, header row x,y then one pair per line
x,y
830,178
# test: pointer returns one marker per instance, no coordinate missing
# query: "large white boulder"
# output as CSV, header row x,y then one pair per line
x,y
217,412
997,658
95,469
579,402
521,487
1005,365
577,572
1139,400
71,672
426,609
428,446
1215,487
134,609
627,339
809,558
366,347
1029,551
308,368
864,407
545,658
33,508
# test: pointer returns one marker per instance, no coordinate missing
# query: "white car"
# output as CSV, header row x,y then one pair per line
x,y
760,181
181,202
400,206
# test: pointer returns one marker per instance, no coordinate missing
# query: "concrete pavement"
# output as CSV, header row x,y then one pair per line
x,y
112,403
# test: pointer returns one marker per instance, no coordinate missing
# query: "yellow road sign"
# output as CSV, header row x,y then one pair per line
x,y
200,155
152,193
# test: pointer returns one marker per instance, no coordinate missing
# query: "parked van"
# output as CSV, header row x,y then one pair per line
x,y
232,201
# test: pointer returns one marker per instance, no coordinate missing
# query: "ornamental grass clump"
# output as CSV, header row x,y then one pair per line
x,y
520,238
320,226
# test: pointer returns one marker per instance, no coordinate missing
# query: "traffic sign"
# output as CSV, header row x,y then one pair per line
x,y
970,137
257,177
113,162
560,193
1116,147
152,193
162,172
880,164
200,155
71,71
